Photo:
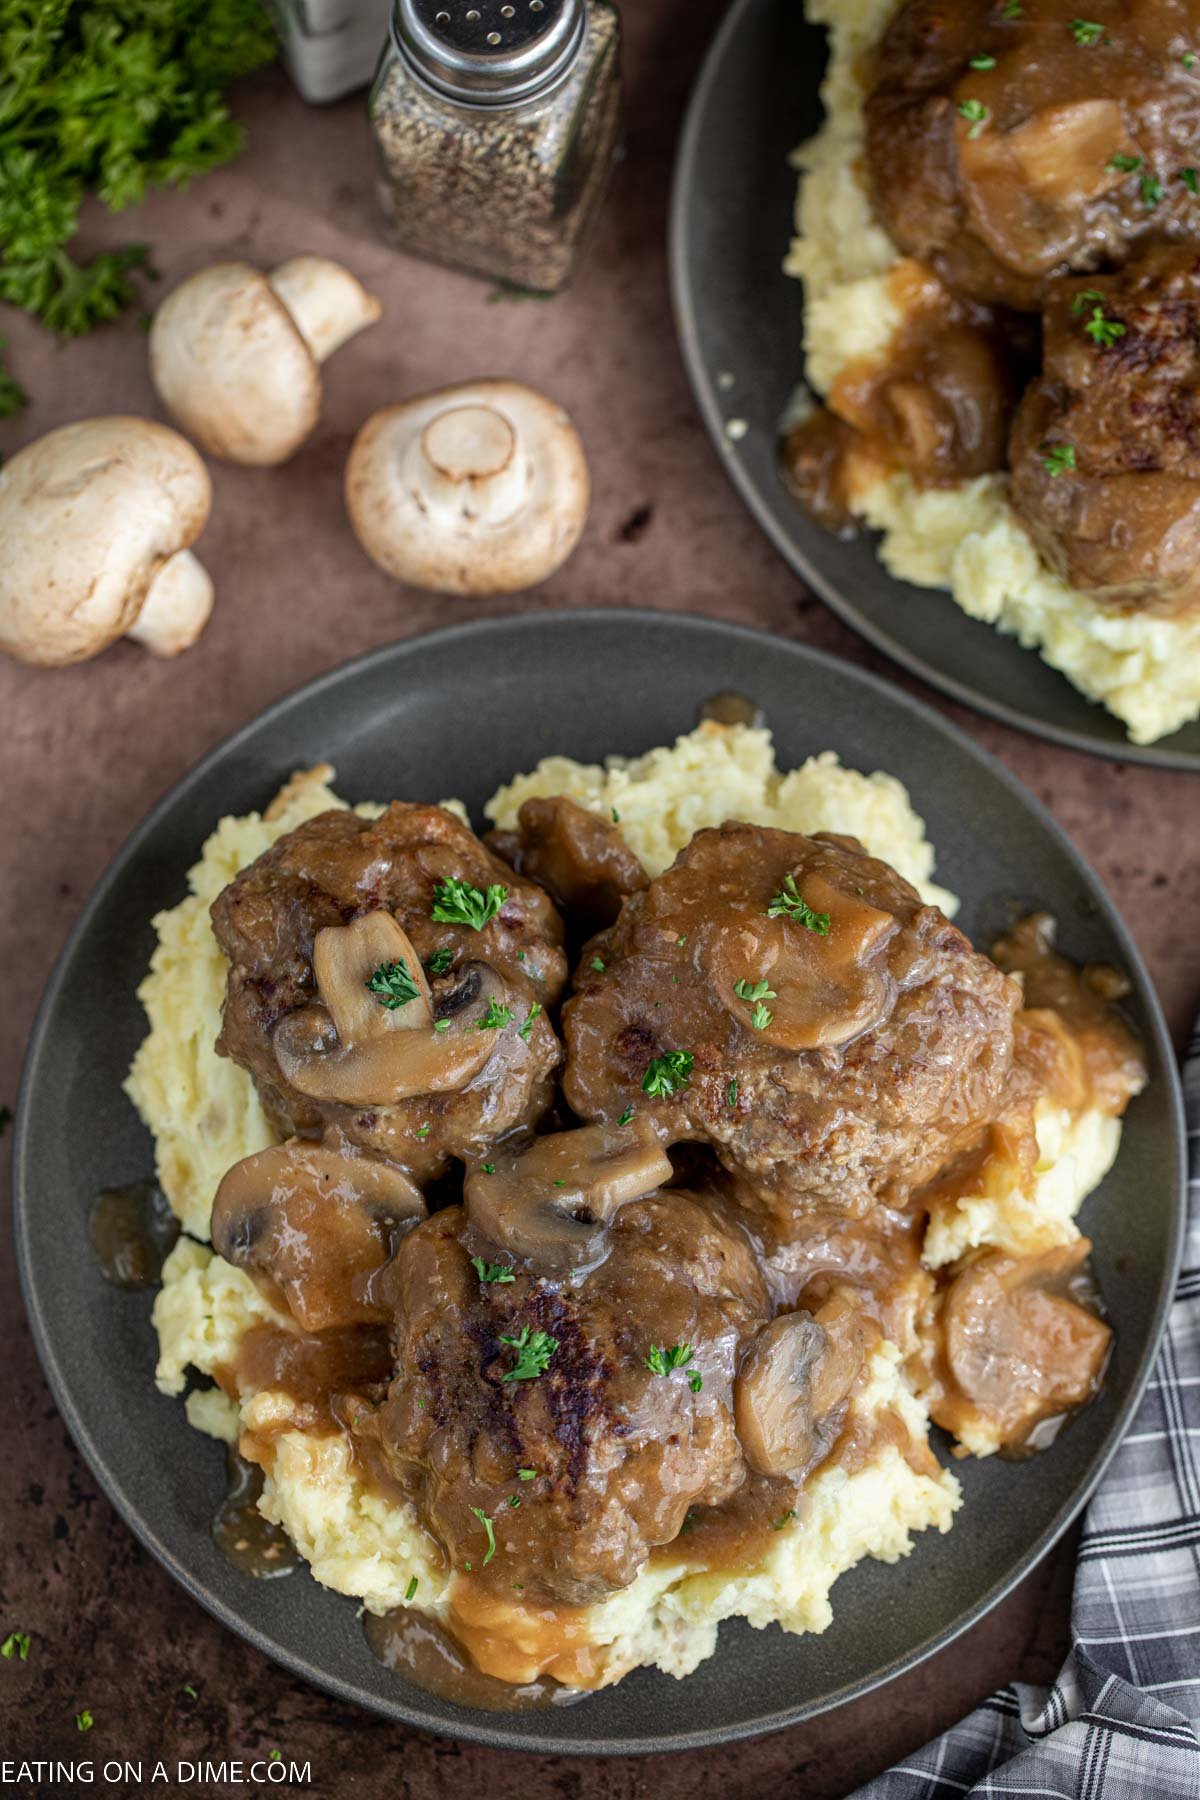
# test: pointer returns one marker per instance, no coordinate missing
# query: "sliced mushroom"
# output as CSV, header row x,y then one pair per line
x,y
353,1048
1019,1347
825,987
321,1222
790,1396
553,1202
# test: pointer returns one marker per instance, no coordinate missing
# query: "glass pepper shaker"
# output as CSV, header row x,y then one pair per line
x,y
497,123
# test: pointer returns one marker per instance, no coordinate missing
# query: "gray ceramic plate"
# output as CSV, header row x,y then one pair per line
x,y
741,322
454,714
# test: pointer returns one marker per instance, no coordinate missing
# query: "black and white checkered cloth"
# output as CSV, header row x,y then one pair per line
x,y
1122,1720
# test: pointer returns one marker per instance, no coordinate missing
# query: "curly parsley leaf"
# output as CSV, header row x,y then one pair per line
x,y
456,902
393,986
668,1074
533,1350
789,903
108,99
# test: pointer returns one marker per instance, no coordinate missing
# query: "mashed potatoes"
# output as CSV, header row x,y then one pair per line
x,y
966,539
204,1116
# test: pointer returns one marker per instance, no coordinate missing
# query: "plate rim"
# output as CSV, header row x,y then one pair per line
x,y
467,1729
704,392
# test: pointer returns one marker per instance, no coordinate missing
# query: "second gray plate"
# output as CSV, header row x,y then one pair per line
x,y
457,713
741,329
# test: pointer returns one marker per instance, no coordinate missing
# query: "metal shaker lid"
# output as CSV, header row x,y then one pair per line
x,y
489,52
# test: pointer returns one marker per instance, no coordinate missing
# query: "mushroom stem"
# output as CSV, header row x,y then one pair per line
x,y
178,603
468,462
328,306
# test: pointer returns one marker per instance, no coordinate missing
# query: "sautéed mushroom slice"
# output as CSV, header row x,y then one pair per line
x,y
372,1039
580,859
321,1222
792,1391
1018,1346
552,1203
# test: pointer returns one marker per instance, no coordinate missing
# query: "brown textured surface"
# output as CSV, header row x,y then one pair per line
x,y
87,750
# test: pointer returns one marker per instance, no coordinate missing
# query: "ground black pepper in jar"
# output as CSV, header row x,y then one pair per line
x,y
497,122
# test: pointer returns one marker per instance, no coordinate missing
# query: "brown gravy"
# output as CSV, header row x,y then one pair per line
x,y
936,403
425,1653
133,1231
244,1538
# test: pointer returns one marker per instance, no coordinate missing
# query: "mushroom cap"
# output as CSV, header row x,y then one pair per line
x,y
89,514
476,489
231,365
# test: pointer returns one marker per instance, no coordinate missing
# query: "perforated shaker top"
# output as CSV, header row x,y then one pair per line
x,y
489,52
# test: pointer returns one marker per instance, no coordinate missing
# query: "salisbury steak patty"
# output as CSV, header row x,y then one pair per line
x,y
338,870
613,1453
1105,451
1006,145
792,1002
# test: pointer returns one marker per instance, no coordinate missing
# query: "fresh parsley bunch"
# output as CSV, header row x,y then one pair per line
x,y
106,97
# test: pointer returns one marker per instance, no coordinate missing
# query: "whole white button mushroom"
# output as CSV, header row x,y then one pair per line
x,y
236,354
476,489
95,523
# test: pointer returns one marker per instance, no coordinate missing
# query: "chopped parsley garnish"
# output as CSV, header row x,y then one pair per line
x,y
983,61
1057,458
1101,329
1190,180
789,903
393,986
422,1132
558,1183
778,1524
411,1589
695,1381
1086,32
731,1093
16,1644
1151,189
533,1352
1123,165
598,963
668,1074
190,1691
625,1116
524,1030
275,1756
661,1362
753,990
977,115
497,1014
681,940
488,1168
1011,9
456,902
514,1499
498,1272
616,817
441,1025
84,1720
440,961
1188,59
491,1535
761,1017
527,1474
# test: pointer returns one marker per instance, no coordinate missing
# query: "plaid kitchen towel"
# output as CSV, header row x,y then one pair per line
x,y
1122,1722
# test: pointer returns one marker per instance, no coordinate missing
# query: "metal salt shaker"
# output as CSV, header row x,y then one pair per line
x,y
497,124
